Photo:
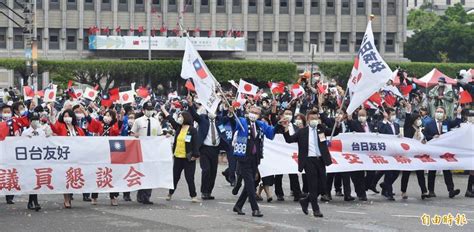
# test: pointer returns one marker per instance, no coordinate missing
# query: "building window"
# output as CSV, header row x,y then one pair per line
x,y
236,6
391,7
204,34
299,7
39,38
252,41
189,6
463,2
344,45
268,7
330,8
18,42
283,42
359,37
85,42
284,7
156,5
376,7
360,7
329,44
252,7
106,5
346,7
298,43
71,5
172,7
123,5
39,4
54,39
71,39
448,2
267,41
89,4
139,6
315,7
3,37
314,39
204,6
54,4
220,8
390,43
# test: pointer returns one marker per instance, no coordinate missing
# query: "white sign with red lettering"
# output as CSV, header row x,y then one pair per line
x,y
42,165
363,151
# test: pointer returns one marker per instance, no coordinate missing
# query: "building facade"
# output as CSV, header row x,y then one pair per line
x,y
274,29
439,5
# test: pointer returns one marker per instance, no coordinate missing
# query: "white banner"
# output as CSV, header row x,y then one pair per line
x,y
42,165
102,42
369,73
204,82
362,151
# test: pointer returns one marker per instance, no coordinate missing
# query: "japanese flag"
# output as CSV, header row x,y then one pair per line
x,y
79,93
247,88
127,97
28,93
369,73
296,91
90,94
50,94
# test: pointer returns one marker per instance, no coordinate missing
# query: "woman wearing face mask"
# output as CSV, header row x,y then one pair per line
x,y
107,127
413,129
185,150
66,125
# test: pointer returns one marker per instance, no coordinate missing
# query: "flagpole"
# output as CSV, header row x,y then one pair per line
x,y
216,82
340,108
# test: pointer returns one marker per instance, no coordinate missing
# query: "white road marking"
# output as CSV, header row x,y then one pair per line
x,y
406,216
260,205
351,212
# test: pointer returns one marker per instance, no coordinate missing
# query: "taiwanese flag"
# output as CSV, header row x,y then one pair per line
x,y
199,69
143,92
464,96
390,99
190,86
125,151
376,98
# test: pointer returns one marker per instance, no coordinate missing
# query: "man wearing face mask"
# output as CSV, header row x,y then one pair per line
x,y
433,130
249,150
147,125
212,138
313,157
442,96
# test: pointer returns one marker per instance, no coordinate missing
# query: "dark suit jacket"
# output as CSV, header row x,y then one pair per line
x,y
385,128
192,146
356,126
204,126
431,128
301,137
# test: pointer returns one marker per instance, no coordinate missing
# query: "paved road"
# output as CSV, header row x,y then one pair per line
x,y
181,215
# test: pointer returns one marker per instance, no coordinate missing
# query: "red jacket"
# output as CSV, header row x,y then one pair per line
x,y
60,129
17,123
95,126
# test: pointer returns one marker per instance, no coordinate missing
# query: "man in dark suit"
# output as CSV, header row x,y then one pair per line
x,y
313,157
434,129
248,150
212,137
390,127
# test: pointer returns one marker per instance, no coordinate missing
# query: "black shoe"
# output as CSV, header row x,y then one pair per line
x,y
270,199
424,196
469,194
31,206
325,198
431,194
383,192
127,198
227,177
349,198
304,206
329,197
454,193
232,184
10,202
389,197
362,198
207,196
374,189
236,188
280,198
296,198
258,198
238,211
147,202
37,207
339,194
86,199
257,213
317,213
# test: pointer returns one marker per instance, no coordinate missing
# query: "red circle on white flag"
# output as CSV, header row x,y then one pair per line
x,y
51,95
125,97
91,94
247,87
405,146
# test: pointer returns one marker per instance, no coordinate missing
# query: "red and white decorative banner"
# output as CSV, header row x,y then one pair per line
x,y
53,165
362,151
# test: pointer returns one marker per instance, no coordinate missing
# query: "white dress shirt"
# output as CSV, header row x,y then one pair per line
x,y
313,144
140,126
208,140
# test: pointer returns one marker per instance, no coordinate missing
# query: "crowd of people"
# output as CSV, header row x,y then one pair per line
x,y
239,129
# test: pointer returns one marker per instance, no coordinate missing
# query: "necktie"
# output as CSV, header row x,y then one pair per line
x,y
315,140
254,147
148,129
213,132
253,130
439,127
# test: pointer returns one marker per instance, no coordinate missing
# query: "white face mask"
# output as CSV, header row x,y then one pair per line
x,y
393,118
418,123
441,84
362,119
313,123
130,122
80,116
298,122
439,115
288,117
180,120
67,120
107,119
6,117
22,112
35,124
211,115
253,117
148,113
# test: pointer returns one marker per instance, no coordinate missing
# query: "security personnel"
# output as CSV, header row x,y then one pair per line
x,y
147,125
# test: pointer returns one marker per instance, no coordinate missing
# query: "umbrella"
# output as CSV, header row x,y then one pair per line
x,y
431,79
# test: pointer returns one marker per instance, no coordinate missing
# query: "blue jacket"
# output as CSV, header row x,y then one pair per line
x,y
385,128
431,129
263,130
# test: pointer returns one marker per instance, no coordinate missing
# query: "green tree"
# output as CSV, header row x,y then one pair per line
x,y
419,19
